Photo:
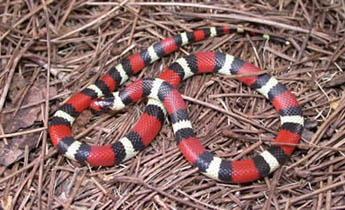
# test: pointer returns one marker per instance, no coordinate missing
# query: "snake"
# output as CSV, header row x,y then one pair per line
x,y
164,90
151,121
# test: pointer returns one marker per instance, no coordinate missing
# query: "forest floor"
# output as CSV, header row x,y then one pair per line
x,y
51,50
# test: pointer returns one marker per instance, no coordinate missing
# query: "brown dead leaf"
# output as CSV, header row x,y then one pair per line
x,y
307,134
16,86
82,120
336,81
26,117
14,150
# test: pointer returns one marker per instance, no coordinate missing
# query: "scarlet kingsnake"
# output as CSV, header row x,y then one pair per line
x,y
149,125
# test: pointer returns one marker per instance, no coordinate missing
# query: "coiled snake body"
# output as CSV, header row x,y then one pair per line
x,y
150,123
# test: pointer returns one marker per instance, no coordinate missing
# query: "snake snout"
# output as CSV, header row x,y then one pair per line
x,y
100,104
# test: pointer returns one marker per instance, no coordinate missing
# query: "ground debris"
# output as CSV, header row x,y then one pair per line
x,y
82,40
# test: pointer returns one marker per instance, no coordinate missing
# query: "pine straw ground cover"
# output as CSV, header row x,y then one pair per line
x,y
52,49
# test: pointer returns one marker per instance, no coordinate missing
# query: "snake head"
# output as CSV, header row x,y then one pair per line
x,y
112,102
101,103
